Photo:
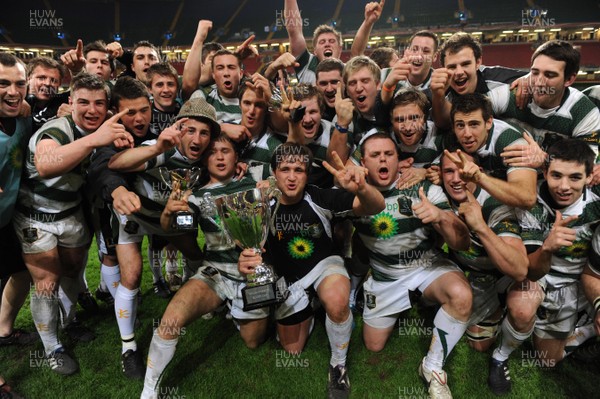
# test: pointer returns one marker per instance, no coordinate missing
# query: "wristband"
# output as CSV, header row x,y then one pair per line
x,y
387,90
597,304
341,129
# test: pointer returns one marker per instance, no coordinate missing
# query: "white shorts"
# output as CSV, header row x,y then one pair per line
x,y
385,300
229,289
42,236
486,288
298,299
143,228
557,315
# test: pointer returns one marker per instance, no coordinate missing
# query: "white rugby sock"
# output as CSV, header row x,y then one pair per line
x,y
44,312
578,337
111,275
447,331
159,355
126,311
68,290
339,339
154,260
510,340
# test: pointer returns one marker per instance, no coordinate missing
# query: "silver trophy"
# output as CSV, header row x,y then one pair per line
x,y
181,180
245,216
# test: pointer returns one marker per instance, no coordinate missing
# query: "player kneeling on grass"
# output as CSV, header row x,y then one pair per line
x,y
496,258
301,251
404,257
557,233
218,279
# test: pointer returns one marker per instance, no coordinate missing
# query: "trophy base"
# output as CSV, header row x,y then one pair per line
x,y
184,221
260,296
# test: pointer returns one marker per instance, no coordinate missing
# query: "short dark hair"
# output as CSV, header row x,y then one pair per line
x,y
378,135
9,60
560,50
44,62
471,102
288,150
128,88
162,69
305,91
209,47
330,64
92,82
97,45
572,150
382,56
457,42
146,43
411,95
224,51
426,33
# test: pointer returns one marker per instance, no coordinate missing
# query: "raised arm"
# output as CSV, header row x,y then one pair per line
x,y
338,142
293,25
372,13
192,69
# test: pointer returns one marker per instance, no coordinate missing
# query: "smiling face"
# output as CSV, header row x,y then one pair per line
x,y
311,122
97,62
291,178
471,130
327,84
195,140
227,74
566,181
464,65
89,108
362,90
327,46
13,88
221,161
44,82
137,120
381,160
454,186
408,122
548,81
420,55
143,58
164,92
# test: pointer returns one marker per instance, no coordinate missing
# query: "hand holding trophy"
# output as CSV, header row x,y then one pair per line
x,y
245,216
180,180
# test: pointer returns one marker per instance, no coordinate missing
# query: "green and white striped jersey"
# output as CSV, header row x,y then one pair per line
x,y
567,263
220,252
503,222
319,176
576,117
593,94
56,194
396,239
306,71
258,152
228,109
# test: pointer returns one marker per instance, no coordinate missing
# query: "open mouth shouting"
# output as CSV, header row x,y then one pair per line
x,y
460,84
194,151
228,85
309,128
328,52
383,173
139,129
13,104
361,102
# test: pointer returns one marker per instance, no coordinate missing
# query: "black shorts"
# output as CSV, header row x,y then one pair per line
x,y
12,255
